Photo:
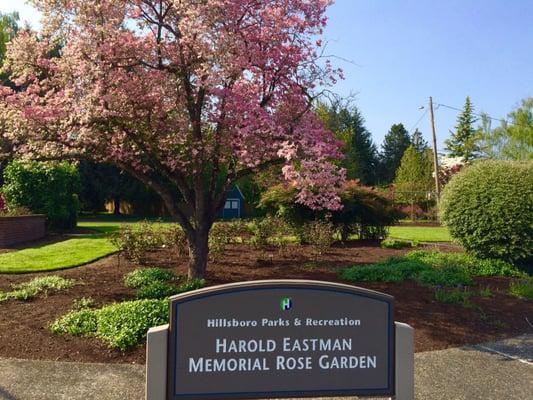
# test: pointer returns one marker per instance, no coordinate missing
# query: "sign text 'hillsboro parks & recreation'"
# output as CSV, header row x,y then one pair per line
x,y
283,338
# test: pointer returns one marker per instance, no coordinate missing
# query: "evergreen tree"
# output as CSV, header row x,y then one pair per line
x,y
414,177
464,141
418,141
360,151
396,141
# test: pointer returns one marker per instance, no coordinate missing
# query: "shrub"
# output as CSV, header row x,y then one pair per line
x,y
173,236
395,244
522,288
135,240
366,212
220,235
488,208
37,286
320,235
49,188
147,276
268,229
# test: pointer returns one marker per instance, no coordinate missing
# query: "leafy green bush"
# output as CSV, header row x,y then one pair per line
x,y
366,212
49,188
147,276
156,290
488,208
119,325
522,288
392,270
395,244
443,277
37,286
473,265
157,283
76,323
124,325
135,240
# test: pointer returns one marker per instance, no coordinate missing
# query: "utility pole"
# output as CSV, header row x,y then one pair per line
x,y
435,157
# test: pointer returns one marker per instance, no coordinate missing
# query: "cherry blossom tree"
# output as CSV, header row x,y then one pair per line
x,y
188,96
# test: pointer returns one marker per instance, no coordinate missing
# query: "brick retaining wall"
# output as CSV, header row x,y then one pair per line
x,y
21,229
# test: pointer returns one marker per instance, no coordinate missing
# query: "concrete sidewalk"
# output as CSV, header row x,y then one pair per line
x,y
492,371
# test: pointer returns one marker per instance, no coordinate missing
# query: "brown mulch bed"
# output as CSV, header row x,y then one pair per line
x,y
23,332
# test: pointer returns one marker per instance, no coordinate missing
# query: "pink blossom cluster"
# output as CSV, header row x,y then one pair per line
x,y
177,90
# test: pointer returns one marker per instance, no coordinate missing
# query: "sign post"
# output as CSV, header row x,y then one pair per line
x,y
280,339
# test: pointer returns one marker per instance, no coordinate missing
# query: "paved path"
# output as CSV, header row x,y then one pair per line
x,y
493,371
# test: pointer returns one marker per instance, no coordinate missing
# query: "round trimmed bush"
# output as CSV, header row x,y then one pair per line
x,y
488,208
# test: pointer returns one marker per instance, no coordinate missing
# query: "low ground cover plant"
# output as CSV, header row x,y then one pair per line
x,y
158,283
394,269
146,276
430,268
522,288
119,325
453,296
37,286
124,325
449,277
396,244
475,266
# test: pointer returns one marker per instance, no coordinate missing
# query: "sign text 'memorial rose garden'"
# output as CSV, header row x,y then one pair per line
x,y
276,339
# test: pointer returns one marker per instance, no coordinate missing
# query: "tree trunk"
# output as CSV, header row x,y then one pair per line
x,y
198,252
116,206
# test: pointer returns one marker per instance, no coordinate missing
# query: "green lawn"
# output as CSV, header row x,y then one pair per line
x,y
420,233
69,253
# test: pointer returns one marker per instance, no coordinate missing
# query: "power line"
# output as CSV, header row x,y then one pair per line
x,y
505,120
479,115
419,119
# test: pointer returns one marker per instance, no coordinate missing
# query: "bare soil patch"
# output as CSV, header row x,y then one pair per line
x,y
23,325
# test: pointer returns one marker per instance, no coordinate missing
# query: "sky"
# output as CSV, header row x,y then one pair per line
x,y
397,53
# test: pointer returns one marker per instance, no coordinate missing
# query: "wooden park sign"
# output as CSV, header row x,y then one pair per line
x,y
280,338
